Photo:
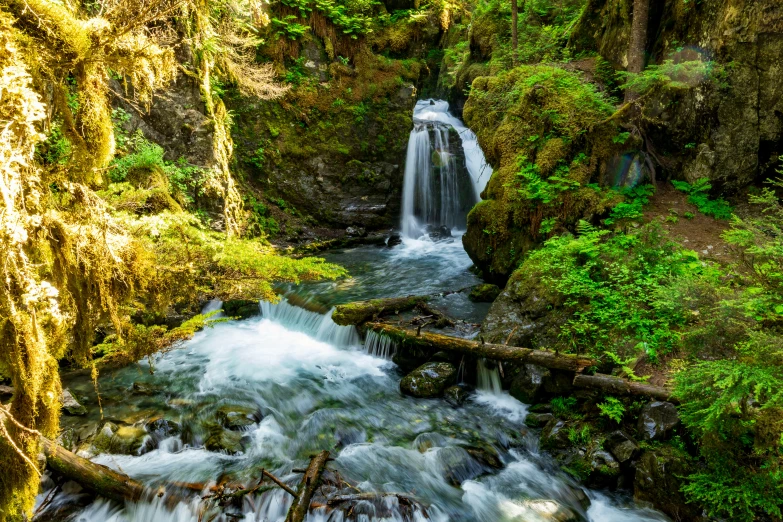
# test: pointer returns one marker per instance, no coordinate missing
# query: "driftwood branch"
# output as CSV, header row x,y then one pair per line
x,y
91,476
497,352
620,386
307,487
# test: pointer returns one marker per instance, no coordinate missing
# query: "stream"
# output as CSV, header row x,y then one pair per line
x,y
293,383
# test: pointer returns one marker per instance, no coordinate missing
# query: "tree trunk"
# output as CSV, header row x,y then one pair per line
x,y
620,386
638,43
497,352
91,476
514,35
301,505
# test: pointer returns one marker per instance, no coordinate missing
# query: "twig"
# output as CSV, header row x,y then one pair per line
x,y
279,482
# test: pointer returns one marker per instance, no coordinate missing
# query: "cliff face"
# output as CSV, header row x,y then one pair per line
x,y
736,130
725,125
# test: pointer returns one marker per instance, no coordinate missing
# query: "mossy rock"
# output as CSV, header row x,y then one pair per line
x,y
241,308
119,440
429,380
235,417
485,293
224,441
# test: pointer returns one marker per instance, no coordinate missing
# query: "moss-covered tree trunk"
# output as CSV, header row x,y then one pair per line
x,y
638,43
514,34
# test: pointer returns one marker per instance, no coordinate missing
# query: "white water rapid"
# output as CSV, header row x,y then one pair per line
x,y
298,383
440,184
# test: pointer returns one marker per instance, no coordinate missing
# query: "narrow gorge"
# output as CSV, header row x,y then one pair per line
x,y
361,260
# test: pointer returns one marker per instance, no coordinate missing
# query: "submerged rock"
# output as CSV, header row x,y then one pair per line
x,y
457,465
70,405
120,440
456,395
429,379
162,428
428,440
552,510
225,441
657,420
234,417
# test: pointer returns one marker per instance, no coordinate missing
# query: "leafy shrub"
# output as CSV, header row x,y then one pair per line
x,y
612,408
564,407
698,195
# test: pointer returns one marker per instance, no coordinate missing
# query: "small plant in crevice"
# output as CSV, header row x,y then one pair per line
x,y
612,408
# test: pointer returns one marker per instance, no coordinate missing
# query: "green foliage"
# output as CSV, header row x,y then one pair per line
x,y
295,73
352,17
698,195
288,27
673,75
259,223
145,155
55,150
564,407
612,408
544,190
632,207
579,437
607,282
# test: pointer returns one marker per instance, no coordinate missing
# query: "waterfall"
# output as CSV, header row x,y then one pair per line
x,y
440,184
320,327
379,345
486,379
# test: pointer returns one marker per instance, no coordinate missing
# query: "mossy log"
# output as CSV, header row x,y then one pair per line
x,y
304,494
497,352
98,479
620,386
359,312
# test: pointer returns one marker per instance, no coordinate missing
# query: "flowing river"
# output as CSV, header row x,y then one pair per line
x,y
298,383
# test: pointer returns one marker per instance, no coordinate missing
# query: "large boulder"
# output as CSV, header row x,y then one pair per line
x,y
551,511
622,446
429,380
528,384
658,480
657,420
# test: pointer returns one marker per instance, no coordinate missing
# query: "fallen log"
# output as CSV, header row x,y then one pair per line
x,y
498,352
359,312
304,494
96,478
619,386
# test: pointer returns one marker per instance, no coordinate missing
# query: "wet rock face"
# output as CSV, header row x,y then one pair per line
x,y
530,383
622,446
525,313
429,380
225,441
657,420
120,440
70,405
241,308
657,480
456,395
457,465
553,511
735,133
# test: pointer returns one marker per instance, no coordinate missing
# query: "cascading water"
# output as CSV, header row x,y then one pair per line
x,y
306,384
441,184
